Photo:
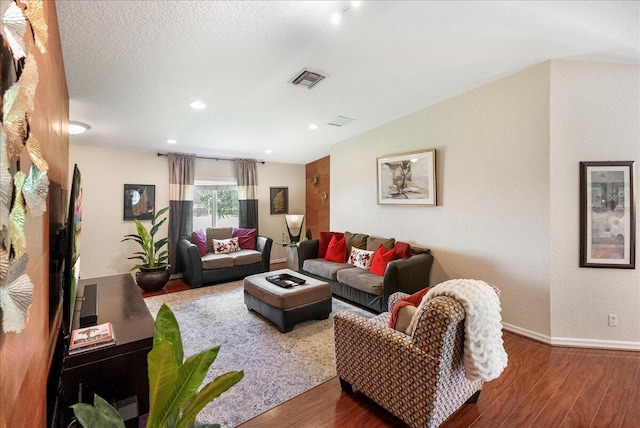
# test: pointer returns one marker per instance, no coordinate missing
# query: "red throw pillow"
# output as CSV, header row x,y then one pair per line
x,y
413,300
325,238
381,259
337,250
246,237
402,250
199,239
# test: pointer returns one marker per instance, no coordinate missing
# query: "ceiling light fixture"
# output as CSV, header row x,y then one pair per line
x,y
313,126
197,105
336,17
77,128
171,141
268,151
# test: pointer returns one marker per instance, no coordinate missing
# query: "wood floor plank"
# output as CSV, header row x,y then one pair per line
x,y
617,396
632,412
512,394
560,367
561,402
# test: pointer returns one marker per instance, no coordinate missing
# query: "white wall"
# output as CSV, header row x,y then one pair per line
x,y
492,218
595,116
104,173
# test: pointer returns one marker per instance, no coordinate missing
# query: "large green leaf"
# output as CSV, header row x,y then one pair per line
x,y
155,227
102,414
166,328
190,377
163,374
211,391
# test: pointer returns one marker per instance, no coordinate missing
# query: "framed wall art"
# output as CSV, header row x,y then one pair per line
x,y
139,201
279,200
407,179
607,215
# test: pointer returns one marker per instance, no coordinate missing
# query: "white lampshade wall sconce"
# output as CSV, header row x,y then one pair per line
x,y
294,226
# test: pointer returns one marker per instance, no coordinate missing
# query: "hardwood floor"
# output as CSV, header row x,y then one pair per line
x,y
542,386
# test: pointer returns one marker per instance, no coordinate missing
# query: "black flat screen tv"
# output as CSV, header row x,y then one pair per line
x,y
72,271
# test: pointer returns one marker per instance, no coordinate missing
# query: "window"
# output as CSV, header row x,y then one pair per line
x,y
215,204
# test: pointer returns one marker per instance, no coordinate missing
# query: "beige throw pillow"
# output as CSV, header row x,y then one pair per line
x,y
405,315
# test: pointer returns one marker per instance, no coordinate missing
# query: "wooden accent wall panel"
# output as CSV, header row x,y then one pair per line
x,y
318,198
25,357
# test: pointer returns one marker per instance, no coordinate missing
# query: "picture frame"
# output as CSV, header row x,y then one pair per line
x,y
279,200
607,215
139,201
407,179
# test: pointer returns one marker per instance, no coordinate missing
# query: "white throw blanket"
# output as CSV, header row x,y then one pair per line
x,y
484,354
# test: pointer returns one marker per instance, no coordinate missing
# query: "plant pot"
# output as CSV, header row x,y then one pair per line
x,y
152,279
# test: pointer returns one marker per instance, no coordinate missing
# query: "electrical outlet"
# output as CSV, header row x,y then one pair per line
x,y
613,320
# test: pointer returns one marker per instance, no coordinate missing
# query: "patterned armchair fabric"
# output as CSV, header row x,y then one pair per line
x,y
419,378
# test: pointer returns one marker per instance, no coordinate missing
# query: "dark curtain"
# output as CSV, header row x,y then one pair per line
x,y
247,172
181,178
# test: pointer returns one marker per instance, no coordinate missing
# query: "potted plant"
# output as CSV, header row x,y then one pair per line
x,y
153,271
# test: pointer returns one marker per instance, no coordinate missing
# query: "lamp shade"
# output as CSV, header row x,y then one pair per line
x,y
294,226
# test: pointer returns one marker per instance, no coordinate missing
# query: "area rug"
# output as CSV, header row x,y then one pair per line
x,y
277,366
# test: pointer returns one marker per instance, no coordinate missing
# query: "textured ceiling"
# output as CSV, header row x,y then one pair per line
x,y
133,67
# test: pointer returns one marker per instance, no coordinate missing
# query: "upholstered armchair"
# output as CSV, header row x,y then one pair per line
x,y
420,378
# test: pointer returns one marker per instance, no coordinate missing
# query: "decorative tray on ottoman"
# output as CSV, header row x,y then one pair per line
x,y
285,280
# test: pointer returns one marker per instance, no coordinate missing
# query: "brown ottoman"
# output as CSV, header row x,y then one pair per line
x,y
285,307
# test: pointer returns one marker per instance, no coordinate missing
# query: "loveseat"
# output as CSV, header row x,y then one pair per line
x,y
202,265
407,274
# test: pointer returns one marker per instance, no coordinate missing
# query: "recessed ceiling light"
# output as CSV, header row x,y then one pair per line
x,y
77,128
268,151
172,141
336,17
197,105
313,126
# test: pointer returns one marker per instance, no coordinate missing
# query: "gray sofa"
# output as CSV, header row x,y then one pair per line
x,y
361,286
217,268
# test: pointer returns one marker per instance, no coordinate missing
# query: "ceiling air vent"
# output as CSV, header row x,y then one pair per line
x,y
341,121
307,79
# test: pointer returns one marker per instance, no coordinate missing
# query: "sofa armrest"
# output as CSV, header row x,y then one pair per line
x,y
307,250
190,262
263,245
407,275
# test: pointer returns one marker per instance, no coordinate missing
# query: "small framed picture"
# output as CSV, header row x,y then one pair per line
x,y
407,179
607,215
279,200
139,201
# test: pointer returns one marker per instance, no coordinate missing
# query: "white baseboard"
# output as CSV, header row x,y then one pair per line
x,y
573,342
527,333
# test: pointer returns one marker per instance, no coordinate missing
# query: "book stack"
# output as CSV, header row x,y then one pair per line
x,y
91,338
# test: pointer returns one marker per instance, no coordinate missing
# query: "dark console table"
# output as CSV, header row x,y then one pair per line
x,y
118,372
